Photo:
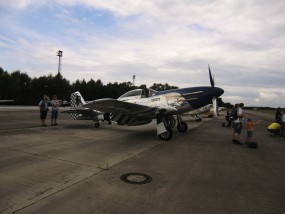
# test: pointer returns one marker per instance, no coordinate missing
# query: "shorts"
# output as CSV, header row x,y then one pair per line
x,y
43,115
54,114
249,133
237,127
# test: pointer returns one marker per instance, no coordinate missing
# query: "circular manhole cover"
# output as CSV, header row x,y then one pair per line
x,y
136,178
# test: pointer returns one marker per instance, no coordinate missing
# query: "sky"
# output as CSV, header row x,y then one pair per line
x,y
159,41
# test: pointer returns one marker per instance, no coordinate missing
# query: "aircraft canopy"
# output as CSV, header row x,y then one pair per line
x,y
139,92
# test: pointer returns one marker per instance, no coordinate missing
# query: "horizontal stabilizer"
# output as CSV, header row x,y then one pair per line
x,y
80,111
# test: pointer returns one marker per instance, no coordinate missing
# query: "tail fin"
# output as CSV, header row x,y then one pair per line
x,y
76,100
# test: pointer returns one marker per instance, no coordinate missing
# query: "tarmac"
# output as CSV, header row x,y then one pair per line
x,y
77,168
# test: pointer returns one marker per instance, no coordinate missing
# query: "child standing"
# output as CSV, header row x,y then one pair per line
x,y
249,126
54,112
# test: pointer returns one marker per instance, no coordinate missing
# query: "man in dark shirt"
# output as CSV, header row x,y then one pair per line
x,y
43,105
278,115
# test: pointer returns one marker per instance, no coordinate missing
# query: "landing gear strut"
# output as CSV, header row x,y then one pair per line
x,y
96,124
164,124
198,119
181,126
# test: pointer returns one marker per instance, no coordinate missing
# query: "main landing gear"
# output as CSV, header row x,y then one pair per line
x,y
96,124
198,119
165,124
181,126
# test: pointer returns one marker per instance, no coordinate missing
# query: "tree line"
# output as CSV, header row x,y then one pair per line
x,y
25,90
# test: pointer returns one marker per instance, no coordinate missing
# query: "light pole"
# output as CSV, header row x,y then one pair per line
x,y
134,77
58,77
59,54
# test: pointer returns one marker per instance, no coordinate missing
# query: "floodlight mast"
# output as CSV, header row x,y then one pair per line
x,y
134,77
59,54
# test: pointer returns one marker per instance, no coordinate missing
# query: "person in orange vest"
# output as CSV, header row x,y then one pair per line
x,y
249,127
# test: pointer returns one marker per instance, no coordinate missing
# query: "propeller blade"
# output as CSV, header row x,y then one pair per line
x,y
215,106
211,78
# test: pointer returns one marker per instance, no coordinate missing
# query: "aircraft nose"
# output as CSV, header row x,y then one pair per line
x,y
216,92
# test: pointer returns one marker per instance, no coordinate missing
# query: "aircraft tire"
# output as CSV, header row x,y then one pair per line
x,y
182,127
171,121
166,135
97,125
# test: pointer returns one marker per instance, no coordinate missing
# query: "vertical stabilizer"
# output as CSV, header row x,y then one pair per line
x,y
76,100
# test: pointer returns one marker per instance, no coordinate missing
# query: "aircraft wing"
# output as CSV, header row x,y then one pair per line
x,y
79,111
6,101
113,105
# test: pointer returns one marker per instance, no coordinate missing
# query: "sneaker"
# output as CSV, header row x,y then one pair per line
x,y
238,143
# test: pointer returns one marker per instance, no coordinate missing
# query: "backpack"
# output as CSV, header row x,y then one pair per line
x,y
42,105
234,114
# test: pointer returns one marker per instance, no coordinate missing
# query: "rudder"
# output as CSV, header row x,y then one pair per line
x,y
76,102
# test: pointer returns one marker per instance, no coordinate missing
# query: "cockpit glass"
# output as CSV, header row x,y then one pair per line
x,y
139,92
151,92
136,92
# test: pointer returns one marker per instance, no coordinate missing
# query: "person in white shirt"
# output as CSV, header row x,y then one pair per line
x,y
54,111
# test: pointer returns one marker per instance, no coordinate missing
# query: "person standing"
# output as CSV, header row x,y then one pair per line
x,y
278,115
283,124
54,111
249,127
233,116
237,123
43,105
228,118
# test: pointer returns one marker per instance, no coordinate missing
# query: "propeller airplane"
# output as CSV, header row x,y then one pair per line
x,y
139,107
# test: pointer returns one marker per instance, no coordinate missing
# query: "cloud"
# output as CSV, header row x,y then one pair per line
x,y
23,4
255,96
271,98
158,41
268,96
